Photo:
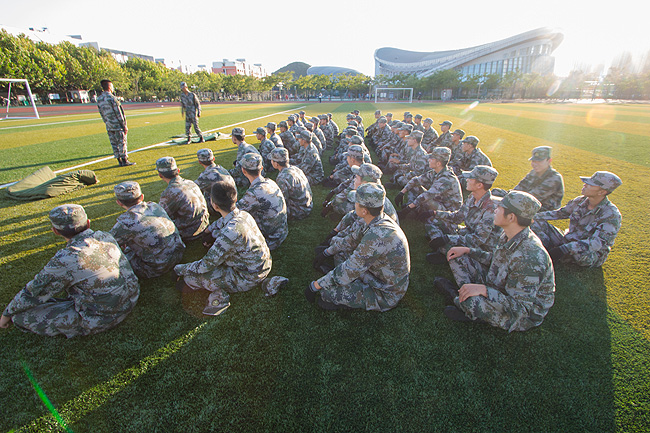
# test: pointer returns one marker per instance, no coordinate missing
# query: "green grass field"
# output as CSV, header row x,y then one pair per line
x,y
283,365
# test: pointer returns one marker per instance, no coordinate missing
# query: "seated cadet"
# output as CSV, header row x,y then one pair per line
x,y
442,189
265,148
294,185
430,135
275,138
333,125
308,159
291,123
336,200
301,118
328,132
314,139
100,286
238,137
264,202
376,275
543,182
470,157
288,139
417,123
342,172
182,200
416,163
456,146
476,213
519,287
382,134
594,222
211,173
345,237
238,260
146,234
444,139
315,121
400,151
372,129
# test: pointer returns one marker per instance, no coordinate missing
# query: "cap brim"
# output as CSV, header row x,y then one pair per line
x,y
588,180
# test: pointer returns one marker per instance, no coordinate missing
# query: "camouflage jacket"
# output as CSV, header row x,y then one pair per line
x,y
548,188
321,137
277,141
382,137
416,165
334,126
94,273
240,246
266,147
443,194
417,127
591,233
184,203
429,137
243,148
328,133
208,177
380,262
479,230
467,162
111,112
290,142
190,105
308,160
146,232
442,140
265,203
296,191
521,278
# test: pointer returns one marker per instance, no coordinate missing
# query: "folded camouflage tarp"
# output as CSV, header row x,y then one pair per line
x,y
182,139
43,183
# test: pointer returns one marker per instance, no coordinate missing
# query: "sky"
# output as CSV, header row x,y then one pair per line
x,y
338,33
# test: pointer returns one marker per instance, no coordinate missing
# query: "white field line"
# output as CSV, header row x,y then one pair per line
x,y
163,143
74,121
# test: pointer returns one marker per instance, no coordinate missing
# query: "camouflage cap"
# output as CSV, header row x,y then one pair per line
x,y
377,111
351,131
291,118
323,116
205,155
393,123
355,151
416,135
399,124
68,217
128,190
482,173
604,179
370,195
389,114
428,120
407,114
314,119
349,116
283,124
541,153
353,123
382,119
441,153
310,126
305,135
356,112
471,139
459,132
521,203
271,125
238,131
183,84
359,119
251,161
446,122
356,139
280,154
166,164
406,127
301,112
418,116
368,172
261,131
329,115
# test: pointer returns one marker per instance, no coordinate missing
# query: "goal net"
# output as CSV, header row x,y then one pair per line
x,y
17,100
394,94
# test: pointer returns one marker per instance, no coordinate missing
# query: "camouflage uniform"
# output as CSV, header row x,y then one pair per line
x,y
238,261
442,140
242,149
296,190
468,161
308,160
208,177
444,192
381,137
91,269
328,133
149,239
266,147
591,233
335,127
520,284
115,120
277,141
430,136
290,142
548,188
191,106
376,275
416,166
265,203
184,203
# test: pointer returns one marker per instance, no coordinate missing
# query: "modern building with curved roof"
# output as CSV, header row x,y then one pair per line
x,y
331,70
526,52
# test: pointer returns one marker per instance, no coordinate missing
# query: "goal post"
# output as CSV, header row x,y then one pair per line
x,y
394,94
28,98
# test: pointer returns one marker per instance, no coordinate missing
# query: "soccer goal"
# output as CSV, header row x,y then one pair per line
x,y
394,94
18,95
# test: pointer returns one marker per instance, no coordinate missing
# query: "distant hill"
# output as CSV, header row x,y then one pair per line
x,y
299,69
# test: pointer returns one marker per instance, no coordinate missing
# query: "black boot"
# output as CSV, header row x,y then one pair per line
x,y
126,162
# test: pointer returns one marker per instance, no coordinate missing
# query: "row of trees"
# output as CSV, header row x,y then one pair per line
x,y
63,67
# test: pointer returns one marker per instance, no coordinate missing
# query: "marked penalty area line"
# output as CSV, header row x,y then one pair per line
x,y
74,121
151,146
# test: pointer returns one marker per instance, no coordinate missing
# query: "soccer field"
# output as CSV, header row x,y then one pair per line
x,y
281,364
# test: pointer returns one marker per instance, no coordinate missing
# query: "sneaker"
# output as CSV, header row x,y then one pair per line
x,y
215,310
310,294
126,162
201,140
455,314
271,286
436,258
446,288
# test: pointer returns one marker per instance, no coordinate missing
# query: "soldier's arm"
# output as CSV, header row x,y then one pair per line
x,y
559,214
248,202
600,238
355,266
119,113
198,105
216,255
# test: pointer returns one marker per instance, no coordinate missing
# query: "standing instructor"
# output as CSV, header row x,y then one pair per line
x,y
113,116
191,106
